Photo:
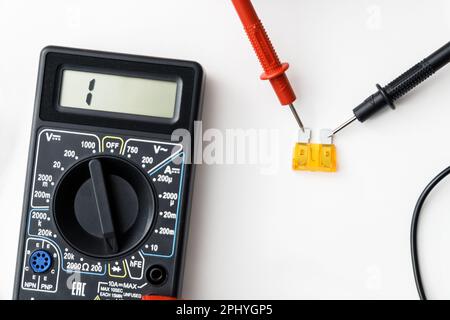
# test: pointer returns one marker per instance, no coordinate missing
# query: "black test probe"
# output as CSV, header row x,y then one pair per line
x,y
399,87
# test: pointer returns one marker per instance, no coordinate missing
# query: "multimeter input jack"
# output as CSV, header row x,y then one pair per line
x,y
156,275
40,261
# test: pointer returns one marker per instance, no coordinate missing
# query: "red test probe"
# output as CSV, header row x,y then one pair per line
x,y
274,70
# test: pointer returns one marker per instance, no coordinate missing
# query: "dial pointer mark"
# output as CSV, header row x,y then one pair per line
x,y
103,208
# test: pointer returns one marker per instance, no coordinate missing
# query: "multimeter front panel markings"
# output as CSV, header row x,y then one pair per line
x,y
150,154
168,179
41,226
112,145
66,148
45,282
57,151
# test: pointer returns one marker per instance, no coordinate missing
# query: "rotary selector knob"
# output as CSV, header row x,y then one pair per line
x,y
104,206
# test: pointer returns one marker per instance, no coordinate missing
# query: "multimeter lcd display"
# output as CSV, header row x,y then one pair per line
x,y
119,94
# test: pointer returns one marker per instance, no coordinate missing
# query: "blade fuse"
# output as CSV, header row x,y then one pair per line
x,y
315,157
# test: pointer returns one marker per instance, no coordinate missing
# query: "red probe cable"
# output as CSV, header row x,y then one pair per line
x,y
274,70
158,298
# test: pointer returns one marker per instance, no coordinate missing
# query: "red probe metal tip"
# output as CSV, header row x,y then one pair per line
x,y
274,70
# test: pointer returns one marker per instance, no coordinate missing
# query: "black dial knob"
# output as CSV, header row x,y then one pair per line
x,y
104,206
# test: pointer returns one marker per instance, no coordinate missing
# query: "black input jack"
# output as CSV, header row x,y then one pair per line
x,y
156,275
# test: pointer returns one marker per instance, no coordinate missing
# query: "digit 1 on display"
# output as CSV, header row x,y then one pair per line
x,y
91,89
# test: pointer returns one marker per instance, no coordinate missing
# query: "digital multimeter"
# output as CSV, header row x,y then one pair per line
x,y
108,188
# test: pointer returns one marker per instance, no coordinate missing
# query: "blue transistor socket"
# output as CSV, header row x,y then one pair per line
x,y
40,261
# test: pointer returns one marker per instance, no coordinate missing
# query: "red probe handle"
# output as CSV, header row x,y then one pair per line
x,y
274,70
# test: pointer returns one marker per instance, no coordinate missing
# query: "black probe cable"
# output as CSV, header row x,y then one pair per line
x,y
386,96
414,225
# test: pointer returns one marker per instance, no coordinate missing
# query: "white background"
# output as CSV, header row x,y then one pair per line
x,y
285,235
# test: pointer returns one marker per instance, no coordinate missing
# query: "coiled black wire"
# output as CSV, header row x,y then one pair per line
x,y
414,225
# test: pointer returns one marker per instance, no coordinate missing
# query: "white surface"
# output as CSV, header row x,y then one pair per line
x,y
286,235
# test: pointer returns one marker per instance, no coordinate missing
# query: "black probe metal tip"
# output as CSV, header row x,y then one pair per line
x,y
386,96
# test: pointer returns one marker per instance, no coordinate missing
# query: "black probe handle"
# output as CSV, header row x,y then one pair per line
x,y
386,96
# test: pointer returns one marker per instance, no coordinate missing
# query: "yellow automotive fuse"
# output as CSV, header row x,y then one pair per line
x,y
315,157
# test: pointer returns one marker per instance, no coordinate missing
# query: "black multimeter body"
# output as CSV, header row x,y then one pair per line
x,y
107,195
